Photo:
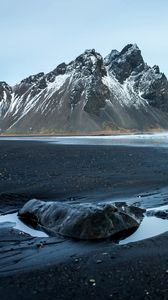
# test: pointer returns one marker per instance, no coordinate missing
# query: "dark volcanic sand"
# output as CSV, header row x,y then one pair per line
x,y
33,270
48,171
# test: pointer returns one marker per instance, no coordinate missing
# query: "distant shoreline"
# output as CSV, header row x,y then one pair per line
x,y
91,133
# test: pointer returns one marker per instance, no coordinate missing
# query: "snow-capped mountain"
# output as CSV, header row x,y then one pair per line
x,y
88,94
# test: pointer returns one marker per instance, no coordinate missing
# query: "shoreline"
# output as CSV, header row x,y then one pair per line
x,y
79,133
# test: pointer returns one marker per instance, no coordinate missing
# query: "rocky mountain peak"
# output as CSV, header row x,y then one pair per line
x,y
153,86
129,49
123,63
111,56
86,86
88,63
59,70
89,94
156,69
5,97
5,87
32,78
5,90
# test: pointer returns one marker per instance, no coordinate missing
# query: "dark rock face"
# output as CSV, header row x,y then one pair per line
x,y
5,97
153,87
88,94
90,70
150,83
123,63
82,221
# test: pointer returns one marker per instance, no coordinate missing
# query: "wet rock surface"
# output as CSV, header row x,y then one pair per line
x,y
162,214
82,221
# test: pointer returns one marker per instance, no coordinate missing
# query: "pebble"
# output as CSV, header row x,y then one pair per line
x,y
99,261
92,281
39,245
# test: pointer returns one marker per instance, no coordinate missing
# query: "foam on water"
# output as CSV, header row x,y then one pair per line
x,y
155,139
128,140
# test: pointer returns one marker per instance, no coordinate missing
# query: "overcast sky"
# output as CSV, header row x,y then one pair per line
x,y
37,35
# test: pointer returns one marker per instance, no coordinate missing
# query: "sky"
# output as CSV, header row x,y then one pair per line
x,y
37,35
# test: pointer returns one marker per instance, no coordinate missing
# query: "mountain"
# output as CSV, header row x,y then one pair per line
x,y
89,94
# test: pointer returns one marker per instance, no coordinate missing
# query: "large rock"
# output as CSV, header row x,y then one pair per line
x,y
82,221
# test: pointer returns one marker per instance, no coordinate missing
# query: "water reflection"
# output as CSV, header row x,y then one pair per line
x,y
150,226
12,220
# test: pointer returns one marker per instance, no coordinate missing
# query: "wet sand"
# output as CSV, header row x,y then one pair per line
x,y
36,268
32,169
48,269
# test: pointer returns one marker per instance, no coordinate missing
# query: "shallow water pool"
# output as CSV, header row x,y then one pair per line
x,y
15,222
150,226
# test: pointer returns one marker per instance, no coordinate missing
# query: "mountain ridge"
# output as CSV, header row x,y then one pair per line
x,y
91,93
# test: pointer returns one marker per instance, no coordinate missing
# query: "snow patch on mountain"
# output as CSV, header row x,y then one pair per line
x,y
123,93
4,96
3,107
54,86
3,104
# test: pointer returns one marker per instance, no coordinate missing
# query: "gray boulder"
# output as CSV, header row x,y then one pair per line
x,y
82,221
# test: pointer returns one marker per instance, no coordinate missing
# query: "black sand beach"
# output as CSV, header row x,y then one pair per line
x,y
40,268
41,170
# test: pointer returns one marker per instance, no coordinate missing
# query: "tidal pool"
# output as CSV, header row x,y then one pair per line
x,y
15,222
149,227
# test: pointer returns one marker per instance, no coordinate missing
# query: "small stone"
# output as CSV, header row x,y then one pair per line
x,y
166,271
92,280
21,233
115,292
39,245
99,261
